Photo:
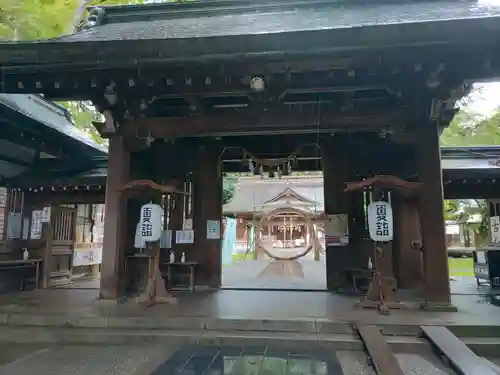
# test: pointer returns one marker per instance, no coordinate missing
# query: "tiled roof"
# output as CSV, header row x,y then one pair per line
x,y
52,116
251,194
173,21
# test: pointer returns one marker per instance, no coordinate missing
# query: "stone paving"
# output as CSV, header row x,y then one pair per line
x,y
242,305
199,360
82,360
300,274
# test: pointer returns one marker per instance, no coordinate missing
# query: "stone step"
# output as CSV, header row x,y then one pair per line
x,y
110,336
312,326
475,330
483,346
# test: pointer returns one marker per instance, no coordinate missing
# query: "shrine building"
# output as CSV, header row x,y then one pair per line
x,y
189,91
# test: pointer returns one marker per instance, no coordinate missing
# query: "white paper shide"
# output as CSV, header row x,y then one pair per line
x,y
150,223
380,222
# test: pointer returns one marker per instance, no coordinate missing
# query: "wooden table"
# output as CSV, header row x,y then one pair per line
x,y
191,267
23,263
356,274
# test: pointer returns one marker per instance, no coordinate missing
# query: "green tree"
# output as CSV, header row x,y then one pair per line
x,y
42,19
228,188
471,129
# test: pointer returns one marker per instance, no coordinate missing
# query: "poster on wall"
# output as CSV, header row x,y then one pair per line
x,y
166,239
337,230
213,229
14,224
36,224
495,229
380,222
184,236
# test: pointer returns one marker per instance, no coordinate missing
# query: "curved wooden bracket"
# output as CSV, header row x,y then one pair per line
x,y
150,185
386,182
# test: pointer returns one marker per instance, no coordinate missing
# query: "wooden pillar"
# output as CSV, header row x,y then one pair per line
x,y
407,254
335,172
208,209
115,221
435,259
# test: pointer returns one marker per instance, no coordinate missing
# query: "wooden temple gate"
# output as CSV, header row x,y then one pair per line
x,y
273,94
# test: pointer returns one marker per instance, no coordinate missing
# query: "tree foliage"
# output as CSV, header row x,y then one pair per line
x,y
42,19
228,188
470,129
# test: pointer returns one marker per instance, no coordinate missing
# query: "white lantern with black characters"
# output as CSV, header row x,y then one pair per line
x,y
380,223
150,223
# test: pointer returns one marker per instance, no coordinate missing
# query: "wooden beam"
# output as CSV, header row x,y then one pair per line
x,y
464,361
279,120
384,360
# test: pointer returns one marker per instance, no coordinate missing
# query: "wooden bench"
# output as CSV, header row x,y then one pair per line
x,y
8,265
462,359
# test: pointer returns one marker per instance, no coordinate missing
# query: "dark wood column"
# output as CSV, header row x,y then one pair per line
x,y
208,207
115,222
335,174
407,255
435,259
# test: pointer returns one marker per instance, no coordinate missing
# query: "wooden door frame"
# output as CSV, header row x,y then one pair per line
x,y
48,233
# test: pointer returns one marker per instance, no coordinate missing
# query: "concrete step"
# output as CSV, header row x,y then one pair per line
x,y
113,336
483,346
110,336
312,326
475,330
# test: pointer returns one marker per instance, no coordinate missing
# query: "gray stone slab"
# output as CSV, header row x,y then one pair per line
x,y
15,352
88,360
414,364
96,336
354,363
261,338
305,326
327,326
156,323
341,341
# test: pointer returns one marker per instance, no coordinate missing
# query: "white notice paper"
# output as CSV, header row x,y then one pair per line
x,y
184,236
213,229
495,229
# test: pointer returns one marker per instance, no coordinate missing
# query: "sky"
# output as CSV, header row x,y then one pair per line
x,y
488,100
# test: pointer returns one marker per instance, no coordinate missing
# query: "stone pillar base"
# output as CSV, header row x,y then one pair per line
x,y
438,307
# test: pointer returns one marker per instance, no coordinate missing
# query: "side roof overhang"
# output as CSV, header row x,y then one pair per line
x,y
204,31
37,133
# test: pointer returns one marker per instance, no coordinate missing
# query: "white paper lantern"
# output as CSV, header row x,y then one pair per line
x,y
380,222
150,222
